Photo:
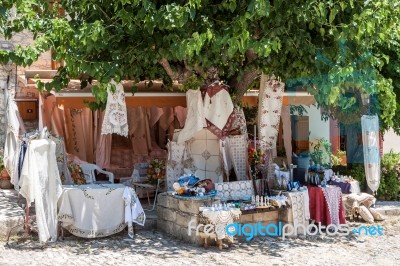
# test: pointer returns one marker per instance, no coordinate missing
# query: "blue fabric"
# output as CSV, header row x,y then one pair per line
x,y
21,158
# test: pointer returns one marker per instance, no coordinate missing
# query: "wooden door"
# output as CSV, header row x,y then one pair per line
x,y
300,133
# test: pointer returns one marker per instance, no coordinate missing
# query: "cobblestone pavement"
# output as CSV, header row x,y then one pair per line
x,y
152,248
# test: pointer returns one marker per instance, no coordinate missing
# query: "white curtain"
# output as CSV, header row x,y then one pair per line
x,y
370,137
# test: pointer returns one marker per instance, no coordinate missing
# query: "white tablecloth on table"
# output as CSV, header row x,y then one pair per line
x,y
99,210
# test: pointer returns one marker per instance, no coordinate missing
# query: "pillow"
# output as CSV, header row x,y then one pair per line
x,y
77,176
377,216
365,214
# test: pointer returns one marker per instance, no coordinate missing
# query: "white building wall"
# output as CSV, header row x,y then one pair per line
x,y
391,141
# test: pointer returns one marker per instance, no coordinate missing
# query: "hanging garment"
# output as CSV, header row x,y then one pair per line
x,y
116,120
40,183
61,157
240,120
218,110
195,120
11,147
370,138
103,147
269,111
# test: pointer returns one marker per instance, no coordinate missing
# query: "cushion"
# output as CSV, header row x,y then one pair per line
x,y
377,216
77,176
365,214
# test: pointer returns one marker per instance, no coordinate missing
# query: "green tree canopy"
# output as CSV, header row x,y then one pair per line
x,y
191,40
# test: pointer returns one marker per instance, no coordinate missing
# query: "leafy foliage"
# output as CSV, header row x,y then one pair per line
x,y
183,40
389,187
321,152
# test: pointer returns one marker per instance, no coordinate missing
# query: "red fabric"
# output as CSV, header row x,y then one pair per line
x,y
319,210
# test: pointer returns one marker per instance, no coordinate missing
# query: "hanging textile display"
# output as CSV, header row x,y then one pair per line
x,y
40,183
139,132
240,121
115,120
12,145
269,111
299,202
174,164
195,120
218,109
370,138
333,197
238,155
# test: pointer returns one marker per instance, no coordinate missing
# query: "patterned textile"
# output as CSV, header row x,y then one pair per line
x,y
234,190
370,137
240,120
62,160
107,210
218,110
195,120
333,196
238,155
174,164
220,219
299,206
77,176
204,156
269,112
133,210
115,120
40,183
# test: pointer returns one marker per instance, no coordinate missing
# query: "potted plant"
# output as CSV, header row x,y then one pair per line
x,y
5,181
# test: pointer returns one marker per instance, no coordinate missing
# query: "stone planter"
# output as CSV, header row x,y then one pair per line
x,y
5,183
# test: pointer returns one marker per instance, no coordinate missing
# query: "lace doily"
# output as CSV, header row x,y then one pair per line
x,y
333,196
115,118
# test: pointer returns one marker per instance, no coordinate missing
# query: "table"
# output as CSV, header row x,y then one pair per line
x,y
347,187
326,206
99,210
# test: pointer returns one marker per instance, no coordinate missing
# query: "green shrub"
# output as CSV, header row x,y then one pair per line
x,y
389,188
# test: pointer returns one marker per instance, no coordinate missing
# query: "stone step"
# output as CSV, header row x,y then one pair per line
x,y
11,215
389,208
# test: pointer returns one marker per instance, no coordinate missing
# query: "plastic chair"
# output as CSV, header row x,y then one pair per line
x,y
147,187
89,169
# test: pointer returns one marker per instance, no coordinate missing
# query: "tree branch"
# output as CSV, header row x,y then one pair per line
x,y
181,76
243,84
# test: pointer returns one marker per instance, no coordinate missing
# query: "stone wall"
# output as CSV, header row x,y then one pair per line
x,y
174,216
16,88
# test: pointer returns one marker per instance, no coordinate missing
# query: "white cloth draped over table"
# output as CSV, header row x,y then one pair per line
x,y
333,197
220,219
133,209
370,137
99,210
40,183
299,202
115,120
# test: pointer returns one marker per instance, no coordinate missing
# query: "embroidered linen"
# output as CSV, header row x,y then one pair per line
x,y
269,111
97,210
218,110
299,208
240,120
40,183
370,137
333,196
234,190
238,155
115,120
220,219
195,120
133,209
174,164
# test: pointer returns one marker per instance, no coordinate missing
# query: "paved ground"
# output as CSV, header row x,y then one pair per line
x,y
151,247
154,248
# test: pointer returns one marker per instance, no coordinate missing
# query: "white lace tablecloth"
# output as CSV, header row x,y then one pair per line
x,y
299,202
99,210
220,219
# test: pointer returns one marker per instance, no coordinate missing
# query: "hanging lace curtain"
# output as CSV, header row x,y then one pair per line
x,y
370,137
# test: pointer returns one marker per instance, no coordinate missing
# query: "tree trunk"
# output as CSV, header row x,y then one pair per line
x,y
241,86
